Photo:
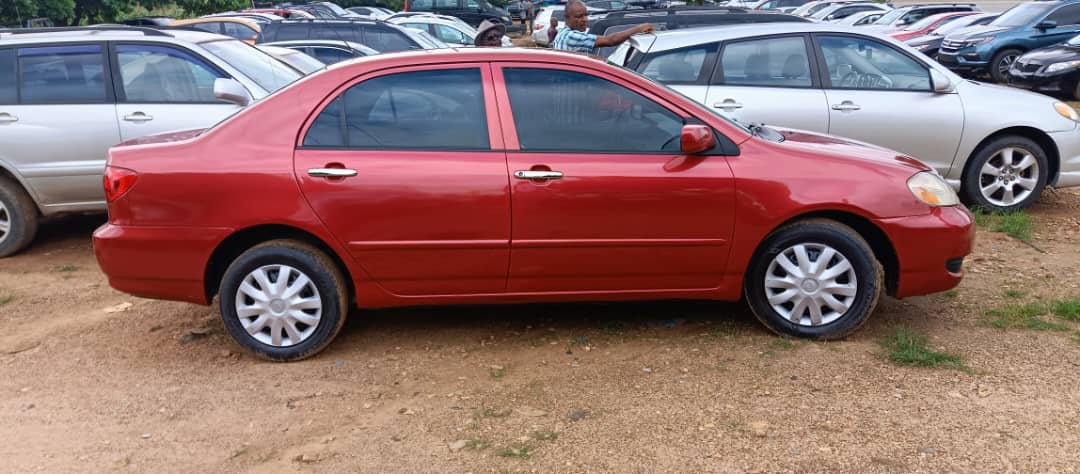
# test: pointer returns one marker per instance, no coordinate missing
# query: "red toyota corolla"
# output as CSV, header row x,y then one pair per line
x,y
495,176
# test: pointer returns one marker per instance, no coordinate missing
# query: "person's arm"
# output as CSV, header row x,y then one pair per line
x,y
617,38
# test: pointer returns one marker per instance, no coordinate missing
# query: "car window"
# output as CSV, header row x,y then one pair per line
x,y
239,31
673,67
617,6
290,32
330,55
446,4
386,40
159,74
424,110
62,74
857,63
8,92
421,5
573,112
1066,15
472,5
450,35
868,19
214,27
776,62
267,72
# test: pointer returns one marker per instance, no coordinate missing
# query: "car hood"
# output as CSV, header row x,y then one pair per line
x,y
976,32
921,40
163,138
845,148
1053,54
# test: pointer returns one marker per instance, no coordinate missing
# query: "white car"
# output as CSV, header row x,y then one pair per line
x,y
294,58
864,18
543,21
450,32
999,146
843,10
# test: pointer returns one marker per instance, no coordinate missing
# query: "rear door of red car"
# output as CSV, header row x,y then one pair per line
x,y
406,168
602,197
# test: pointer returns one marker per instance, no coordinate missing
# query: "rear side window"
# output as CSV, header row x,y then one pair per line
x,y
421,5
684,66
330,55
62,74
291,31
1066,15
386,40
208,27
774,62
8,92
446,4
239,31
423,110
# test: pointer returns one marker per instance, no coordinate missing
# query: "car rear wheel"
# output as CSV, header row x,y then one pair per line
x,y
283,300
815,279
1000,64
18,218
1006,174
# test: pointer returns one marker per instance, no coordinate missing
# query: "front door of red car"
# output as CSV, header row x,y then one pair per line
x,y
602,197
406,169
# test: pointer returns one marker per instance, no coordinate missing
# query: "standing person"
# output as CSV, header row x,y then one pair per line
x,y
554,30
574,38
490,34
530,15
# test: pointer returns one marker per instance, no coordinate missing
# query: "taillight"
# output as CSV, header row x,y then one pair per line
x,y
117,182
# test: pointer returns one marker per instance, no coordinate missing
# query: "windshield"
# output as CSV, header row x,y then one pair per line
x,y
816,8
890,17
924,23
306,64
263,69
1021,14
956,25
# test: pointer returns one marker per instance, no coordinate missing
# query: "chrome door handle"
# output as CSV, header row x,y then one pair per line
x,y
522,174
138,117
8,118
728,104
331,172
846,106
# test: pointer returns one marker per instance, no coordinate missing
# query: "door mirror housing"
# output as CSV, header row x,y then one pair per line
x,y
1046,25
940,82
697,139
229,90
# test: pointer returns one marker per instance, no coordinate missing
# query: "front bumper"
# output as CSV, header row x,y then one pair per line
x,y
929,249
1068,145
1041,81
963,60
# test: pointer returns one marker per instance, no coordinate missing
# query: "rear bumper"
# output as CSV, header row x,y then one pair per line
x,y
928,248
157,262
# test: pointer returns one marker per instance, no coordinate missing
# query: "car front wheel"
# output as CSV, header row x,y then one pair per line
x,y
1006,174
1000,64
815,279
18,218
283,300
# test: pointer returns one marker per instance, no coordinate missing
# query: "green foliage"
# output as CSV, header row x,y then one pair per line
x,y
5,299
1067,309
907,347
87,12
1015,224
1026,316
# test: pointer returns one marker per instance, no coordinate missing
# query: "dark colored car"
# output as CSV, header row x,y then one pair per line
x,y
994,47
473,12
675,18
379,35
320,9
929,44
149,21
327,51
1054,68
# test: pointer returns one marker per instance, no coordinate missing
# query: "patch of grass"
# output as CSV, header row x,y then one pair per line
x,y
982,219
952,294
516,450
1015,224
5,299
1025,316
1014,293
66,268
907,347
1065,309
544,435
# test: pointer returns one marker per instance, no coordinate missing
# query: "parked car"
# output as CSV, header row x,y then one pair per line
x,y
843,10
371,12
543,21
149,21
78,94
294,58
810,8
905,15
382,36
993,48
611,5
635,200
927,25
931,43
261,19
282,12
677,18
1056,68
242,29
877,90
327,51
864,18
451,32
784,6
326,10
473,12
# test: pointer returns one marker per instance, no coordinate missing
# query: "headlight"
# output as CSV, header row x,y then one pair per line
x,y
922,47
931,189
978,41
1066,111
1057,67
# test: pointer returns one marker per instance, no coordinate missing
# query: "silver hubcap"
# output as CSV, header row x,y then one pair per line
x,y
278,305
1009,176
1006,62
810,284
5,222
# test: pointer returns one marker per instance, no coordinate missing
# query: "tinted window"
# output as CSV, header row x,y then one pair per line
x,y
330,55
569,111
421,5
239,31
340,31
208,27
447,34
8,93
446,4
780,62
159,74
856,63
1066,15
681,66
386,40
290,32
328,129
61,74
436,110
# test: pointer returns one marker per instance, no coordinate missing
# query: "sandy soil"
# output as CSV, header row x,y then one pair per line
x,y
94,380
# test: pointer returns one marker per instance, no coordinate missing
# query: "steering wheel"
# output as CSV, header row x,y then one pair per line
x,y
850,79
876,81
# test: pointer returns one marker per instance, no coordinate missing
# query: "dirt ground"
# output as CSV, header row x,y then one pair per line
x,y
95,380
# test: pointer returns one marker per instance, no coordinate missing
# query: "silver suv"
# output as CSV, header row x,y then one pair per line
x,y
68,94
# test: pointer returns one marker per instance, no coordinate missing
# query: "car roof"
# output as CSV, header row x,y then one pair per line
x,y
218,19
318,42
674,39
105,33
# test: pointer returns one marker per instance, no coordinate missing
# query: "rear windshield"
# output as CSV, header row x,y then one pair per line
x,y
263,69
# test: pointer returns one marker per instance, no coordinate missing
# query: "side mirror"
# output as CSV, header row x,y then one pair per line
x,y
940,82
697,139
231,91
1046,25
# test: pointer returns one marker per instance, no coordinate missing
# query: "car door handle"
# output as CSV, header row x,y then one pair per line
x,y
522,174
8,118
138,117
331,172
846,106
728,104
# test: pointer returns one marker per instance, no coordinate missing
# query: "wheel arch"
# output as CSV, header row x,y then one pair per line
x,y
7,172
240,241
1053,155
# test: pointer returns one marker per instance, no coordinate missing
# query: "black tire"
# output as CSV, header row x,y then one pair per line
x,y
1003,56
973,180
314,264
846,242
18,209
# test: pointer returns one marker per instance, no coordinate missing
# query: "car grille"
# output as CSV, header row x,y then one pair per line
x,y
1026,67
951,46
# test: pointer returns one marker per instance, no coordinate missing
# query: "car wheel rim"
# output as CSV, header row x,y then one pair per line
x,y
1009,176
1005,64
278,305
5,222
810,284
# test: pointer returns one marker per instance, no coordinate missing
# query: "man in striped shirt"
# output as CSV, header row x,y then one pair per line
x,y
574,38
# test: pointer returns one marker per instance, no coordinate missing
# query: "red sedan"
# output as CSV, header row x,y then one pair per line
x,y
926,25
495,176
